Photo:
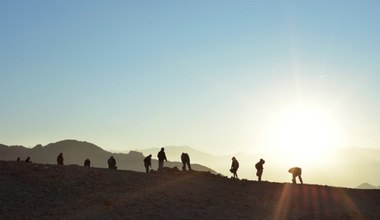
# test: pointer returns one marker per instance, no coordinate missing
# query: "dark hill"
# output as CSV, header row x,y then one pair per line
x,y
37,191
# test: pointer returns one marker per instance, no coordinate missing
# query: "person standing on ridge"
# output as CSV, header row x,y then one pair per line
x,y
161,157
87,163
148,162
259,168
112,163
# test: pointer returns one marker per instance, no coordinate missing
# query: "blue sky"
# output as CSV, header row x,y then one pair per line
x,y
210,74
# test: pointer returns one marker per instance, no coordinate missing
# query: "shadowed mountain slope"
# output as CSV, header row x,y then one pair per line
x,y
38,191
75,152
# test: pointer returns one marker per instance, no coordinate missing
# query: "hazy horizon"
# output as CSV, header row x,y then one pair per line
x,y
339,167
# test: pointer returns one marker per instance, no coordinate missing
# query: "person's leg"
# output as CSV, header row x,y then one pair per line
x,y
160,164
183,165
188,165
294,179
235,174
300,178
260,173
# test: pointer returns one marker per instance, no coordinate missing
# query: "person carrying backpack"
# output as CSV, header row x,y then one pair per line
x,y
234,167
148,162
259,169
296,171
185,158
161,157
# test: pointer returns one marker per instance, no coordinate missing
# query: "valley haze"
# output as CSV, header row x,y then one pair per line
x,y
340,168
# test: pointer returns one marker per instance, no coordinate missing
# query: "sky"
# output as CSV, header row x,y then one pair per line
x,y
220,76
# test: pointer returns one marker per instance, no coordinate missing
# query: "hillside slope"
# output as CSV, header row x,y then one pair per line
x,y
37,191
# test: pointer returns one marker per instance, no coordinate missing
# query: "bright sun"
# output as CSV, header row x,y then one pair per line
x,y
304,131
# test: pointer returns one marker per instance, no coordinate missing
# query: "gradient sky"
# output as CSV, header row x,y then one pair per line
x,y
209,74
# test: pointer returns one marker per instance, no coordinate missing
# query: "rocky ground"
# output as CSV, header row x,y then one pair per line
x,y
37,191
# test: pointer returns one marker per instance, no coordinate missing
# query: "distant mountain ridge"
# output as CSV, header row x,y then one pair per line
x,y
75,152
338,167
367,186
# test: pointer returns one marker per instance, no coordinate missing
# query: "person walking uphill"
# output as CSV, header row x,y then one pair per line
x,y
60,159
259,168
148,162
296,171
234,167
161,157
185,158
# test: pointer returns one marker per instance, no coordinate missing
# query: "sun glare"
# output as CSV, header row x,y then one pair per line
x,y
304,131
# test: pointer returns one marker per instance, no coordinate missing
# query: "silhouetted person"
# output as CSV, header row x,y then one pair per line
x,y
259,168
148,162
60,159
185,161
112,163
18,159
87,163
296,171
27,160
234,167
161,157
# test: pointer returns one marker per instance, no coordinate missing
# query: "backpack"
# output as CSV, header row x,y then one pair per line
x,y
257,166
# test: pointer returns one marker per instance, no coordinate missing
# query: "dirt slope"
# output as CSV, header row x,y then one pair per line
x,y
36,191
